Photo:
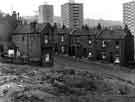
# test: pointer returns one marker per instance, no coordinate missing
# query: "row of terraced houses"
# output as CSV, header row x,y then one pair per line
x,y
40,42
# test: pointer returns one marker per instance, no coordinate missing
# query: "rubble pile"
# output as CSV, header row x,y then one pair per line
x,y
34,84
84,83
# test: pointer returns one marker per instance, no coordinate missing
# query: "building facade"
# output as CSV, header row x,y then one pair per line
x,y
82,43
46,14
105,45
34,41
113,46
129,15
47,45
61,39
72,15
27,42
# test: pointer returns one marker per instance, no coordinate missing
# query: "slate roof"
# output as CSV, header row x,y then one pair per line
x,y
63,31
26,28
84,32
112,34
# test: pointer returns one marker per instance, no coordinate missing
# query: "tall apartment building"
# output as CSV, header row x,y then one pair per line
x,y
72,14
129,15
46,13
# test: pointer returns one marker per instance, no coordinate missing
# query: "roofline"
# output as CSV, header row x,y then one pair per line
x,y
72,3
32,33
83,35
110,38
129,2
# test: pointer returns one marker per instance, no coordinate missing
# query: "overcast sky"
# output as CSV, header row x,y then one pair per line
x,y
96,9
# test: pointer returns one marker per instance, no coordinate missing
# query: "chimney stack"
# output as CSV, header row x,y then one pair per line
x,y
33,26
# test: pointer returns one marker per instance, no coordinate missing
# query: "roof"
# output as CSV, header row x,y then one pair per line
x,y
62,31
27,28
83,32
112,34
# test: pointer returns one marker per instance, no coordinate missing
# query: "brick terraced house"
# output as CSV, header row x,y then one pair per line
x,y
39,41
81,43
115,46
33,41
61,40
106,45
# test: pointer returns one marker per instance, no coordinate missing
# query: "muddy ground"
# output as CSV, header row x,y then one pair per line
x,y
20,83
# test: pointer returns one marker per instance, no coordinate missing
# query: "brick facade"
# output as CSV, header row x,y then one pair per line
x,y
104,45
112,46
30,41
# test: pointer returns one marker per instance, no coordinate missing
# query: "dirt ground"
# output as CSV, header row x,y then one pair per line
x,y
65,82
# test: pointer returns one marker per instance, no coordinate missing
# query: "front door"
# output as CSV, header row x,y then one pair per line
x,y
85,53
73,50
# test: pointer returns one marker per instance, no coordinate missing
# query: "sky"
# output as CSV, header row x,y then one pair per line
x,y
95,9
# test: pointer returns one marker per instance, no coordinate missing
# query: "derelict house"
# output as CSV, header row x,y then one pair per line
x,y
61,40
47,45
38,42
33,42
81,43
115,46
106,45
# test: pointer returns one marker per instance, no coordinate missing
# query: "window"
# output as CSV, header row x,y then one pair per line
x,y
11,52
90,41
46,39
117,53
117,60
18,53
62,38
62,49
75,16
90,54
75,19
103,55
47,58
117,44
76,13
78,40
22,38
103,44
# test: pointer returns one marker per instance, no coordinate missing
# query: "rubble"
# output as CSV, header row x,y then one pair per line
x,y
34,84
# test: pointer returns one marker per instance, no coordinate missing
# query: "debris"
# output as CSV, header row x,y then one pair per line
x,y
32,84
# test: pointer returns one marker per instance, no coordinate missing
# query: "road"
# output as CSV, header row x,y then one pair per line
x,y
107,69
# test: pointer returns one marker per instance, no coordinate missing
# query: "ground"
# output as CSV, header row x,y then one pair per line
x,y
66,81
